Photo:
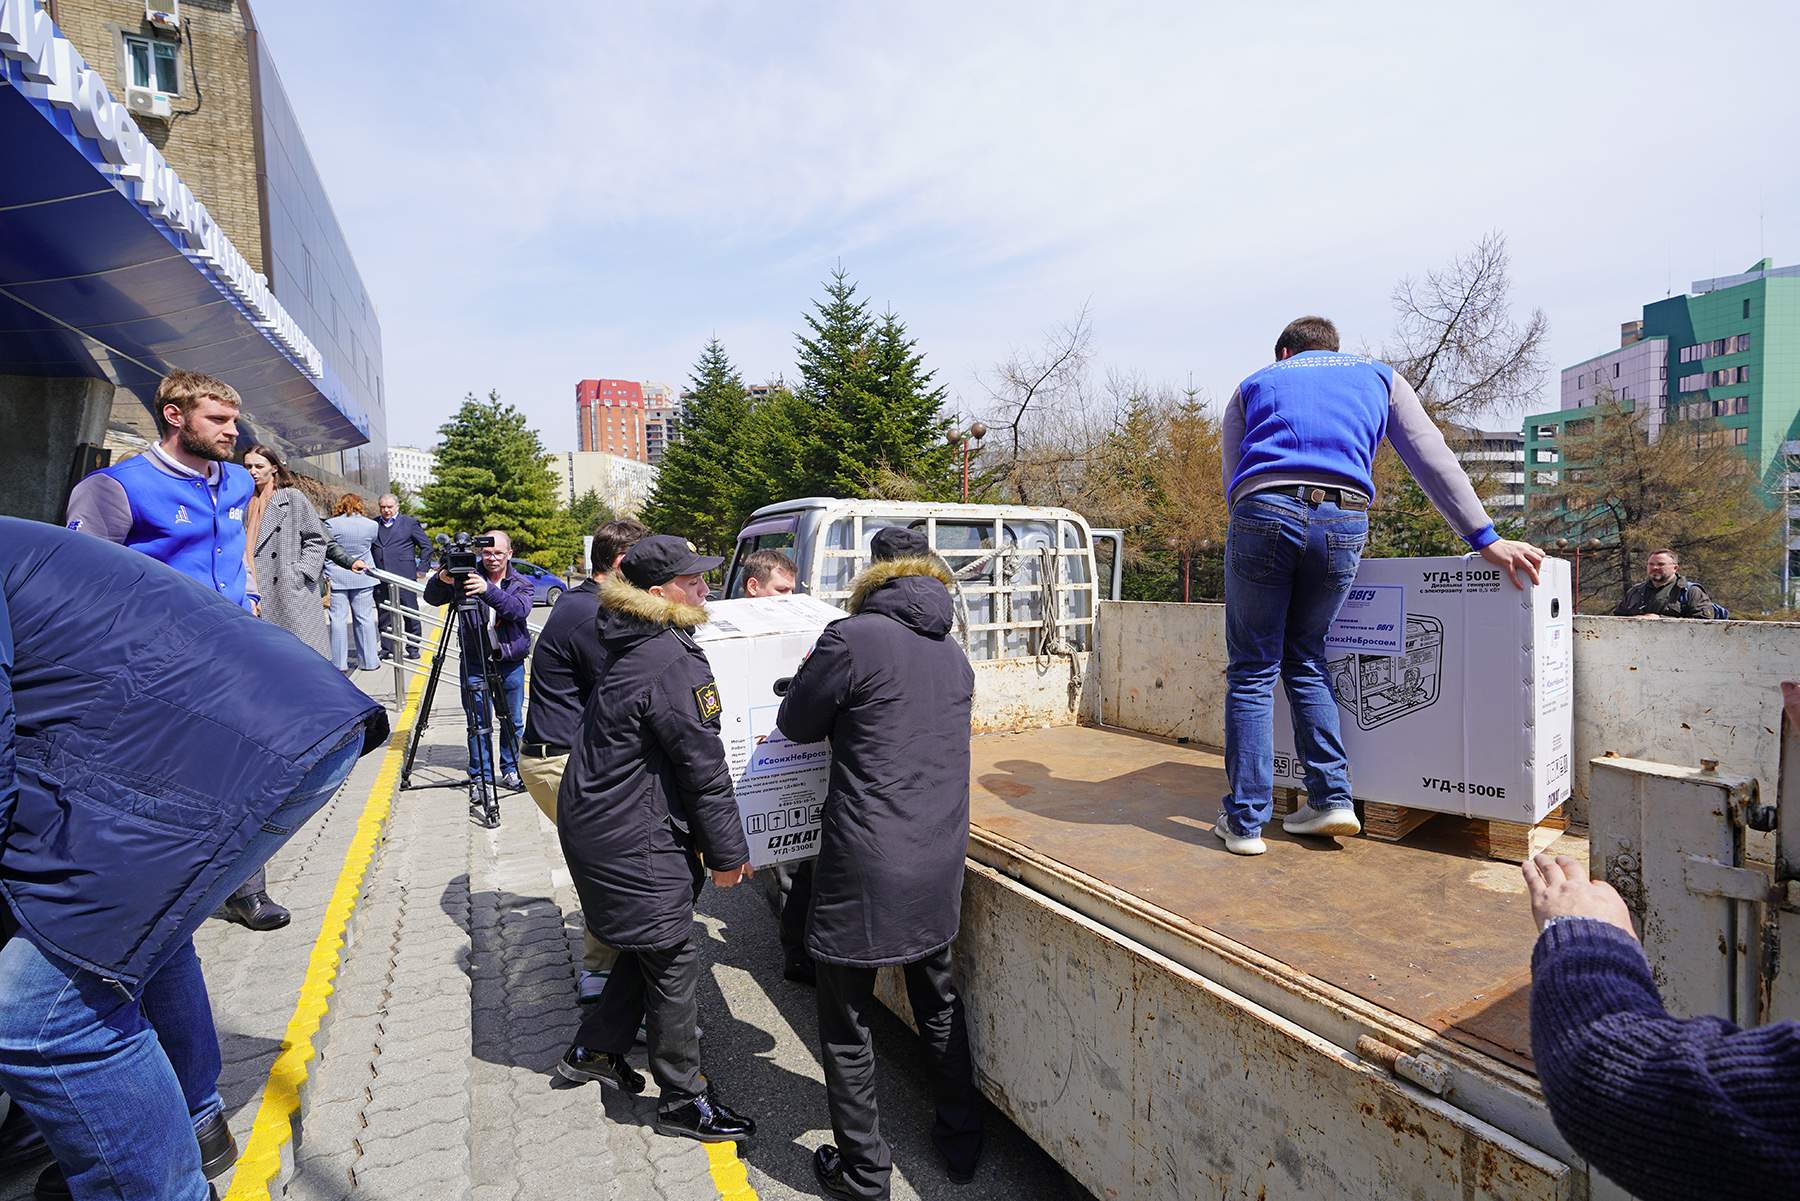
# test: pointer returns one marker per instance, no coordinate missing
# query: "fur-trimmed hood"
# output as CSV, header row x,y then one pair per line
x,y
914,592
620,596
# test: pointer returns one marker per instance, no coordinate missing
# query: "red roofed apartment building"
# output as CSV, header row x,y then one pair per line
x,y
609,416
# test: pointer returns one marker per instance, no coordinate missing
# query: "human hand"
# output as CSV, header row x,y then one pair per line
x,y
359,565
1514,557
474,585
256,608
1559,887
731,878
446,577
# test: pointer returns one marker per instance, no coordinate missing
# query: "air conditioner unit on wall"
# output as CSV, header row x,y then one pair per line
x,y
164,14
146,103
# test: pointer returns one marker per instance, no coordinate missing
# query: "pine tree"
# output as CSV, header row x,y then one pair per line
x,y
493,473
777,438
697,494
904,434
840,384
588,512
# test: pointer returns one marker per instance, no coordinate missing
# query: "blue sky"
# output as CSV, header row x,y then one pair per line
x,y
534,202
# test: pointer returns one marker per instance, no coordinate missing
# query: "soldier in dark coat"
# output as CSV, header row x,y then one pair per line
x,y
892,692
645,809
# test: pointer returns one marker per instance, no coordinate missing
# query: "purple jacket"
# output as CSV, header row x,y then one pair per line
x,y
511,600
1668,1108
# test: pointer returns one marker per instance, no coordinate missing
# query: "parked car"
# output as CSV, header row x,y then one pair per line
x,y
547,587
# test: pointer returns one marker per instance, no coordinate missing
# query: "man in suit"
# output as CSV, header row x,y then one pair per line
x,y
400,548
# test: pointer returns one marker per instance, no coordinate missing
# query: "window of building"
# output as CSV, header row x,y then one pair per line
x,y
1615,371
1741,405
1692,383
1740,437
1746,307
153,64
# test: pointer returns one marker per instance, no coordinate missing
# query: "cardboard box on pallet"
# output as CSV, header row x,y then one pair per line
x,y
755,646
1453,689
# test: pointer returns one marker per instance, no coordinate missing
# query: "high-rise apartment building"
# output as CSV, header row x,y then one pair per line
x,y
1721,362
609,417
1496,460
412,467
662,419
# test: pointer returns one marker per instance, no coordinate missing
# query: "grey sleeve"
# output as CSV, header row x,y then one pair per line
x,y
1231,436
1422,448
98,506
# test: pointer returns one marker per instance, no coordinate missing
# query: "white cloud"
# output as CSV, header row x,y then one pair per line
x,y
534,201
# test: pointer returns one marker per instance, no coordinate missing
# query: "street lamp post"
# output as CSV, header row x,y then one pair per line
x,y
968,438
1591,545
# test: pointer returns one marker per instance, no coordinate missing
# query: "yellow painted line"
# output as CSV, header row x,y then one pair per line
x,y
729,1175
260,1162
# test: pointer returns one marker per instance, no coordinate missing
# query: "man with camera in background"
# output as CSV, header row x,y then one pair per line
x,y
504,602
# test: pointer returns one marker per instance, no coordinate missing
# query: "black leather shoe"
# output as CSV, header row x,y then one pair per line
x,y
256,911
51,1185
704,1118
799,968
218,1150
582,1065
828,1170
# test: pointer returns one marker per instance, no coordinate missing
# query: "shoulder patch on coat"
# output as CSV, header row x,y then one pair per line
x,y
706,699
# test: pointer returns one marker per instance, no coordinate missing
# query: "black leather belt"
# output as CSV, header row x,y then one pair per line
x,y
542,750
1343,498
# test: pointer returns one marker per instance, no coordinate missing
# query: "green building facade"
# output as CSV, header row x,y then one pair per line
x,y
1732,351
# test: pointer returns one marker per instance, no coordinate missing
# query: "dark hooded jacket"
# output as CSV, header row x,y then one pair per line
x,y
647,789
148,727
892,692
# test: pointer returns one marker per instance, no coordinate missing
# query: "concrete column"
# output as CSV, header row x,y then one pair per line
x,y
45,420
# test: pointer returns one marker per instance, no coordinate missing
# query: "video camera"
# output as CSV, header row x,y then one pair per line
x,y
461,555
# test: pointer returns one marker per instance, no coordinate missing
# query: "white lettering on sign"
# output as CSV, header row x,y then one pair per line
x,y
55,72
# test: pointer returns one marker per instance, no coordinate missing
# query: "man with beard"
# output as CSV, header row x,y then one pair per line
x,y
182,501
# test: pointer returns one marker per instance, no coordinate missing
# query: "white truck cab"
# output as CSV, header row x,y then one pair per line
x,y
1028,582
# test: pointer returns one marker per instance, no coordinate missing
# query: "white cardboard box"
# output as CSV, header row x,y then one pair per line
x,y
1453,688
756,644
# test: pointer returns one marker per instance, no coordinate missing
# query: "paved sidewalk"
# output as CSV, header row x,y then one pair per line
x,y
434,1074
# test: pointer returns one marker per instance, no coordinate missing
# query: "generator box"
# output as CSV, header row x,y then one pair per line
x,y
1454,689
755,645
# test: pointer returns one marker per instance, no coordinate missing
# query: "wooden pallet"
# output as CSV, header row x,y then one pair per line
x,y
1510,842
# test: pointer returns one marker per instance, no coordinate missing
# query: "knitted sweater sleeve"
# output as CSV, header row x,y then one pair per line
x,y
1665,1107
1421,446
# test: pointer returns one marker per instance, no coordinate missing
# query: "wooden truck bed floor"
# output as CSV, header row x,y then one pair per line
x,y
1428,927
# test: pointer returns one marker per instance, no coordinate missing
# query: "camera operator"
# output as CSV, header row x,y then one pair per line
x,y
505,597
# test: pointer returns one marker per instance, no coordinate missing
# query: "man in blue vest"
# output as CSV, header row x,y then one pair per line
x,y
182,501
1298,442
156,745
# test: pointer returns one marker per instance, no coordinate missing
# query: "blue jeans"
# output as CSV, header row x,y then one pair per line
x,y
117,1083
1288,565
474,694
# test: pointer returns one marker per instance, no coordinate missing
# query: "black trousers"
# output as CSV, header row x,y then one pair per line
x,y
656,988
793,909
846,994
408,599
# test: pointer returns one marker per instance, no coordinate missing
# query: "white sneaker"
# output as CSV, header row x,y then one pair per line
x,y
1326,823
1238,844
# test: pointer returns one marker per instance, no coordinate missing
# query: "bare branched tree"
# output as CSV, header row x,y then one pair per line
x,y
1457,342
1026,393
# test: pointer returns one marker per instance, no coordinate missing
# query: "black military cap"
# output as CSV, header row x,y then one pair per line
x,y
897,542
661,557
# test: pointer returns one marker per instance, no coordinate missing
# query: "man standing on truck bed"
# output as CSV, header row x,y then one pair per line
x,y
1299,442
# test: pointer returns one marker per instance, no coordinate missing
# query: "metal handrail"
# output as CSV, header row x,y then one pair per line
x,y
432,616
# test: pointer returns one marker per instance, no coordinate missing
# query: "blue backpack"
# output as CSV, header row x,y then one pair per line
x,y
1719,612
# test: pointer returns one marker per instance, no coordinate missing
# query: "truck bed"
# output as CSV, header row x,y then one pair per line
x,y
1427,928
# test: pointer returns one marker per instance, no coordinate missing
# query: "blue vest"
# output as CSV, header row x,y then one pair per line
x,y
183,521
1318,411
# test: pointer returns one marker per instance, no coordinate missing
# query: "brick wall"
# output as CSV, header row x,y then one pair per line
x,y
213,149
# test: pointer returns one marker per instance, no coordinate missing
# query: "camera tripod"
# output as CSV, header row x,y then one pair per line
x,y
471,631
